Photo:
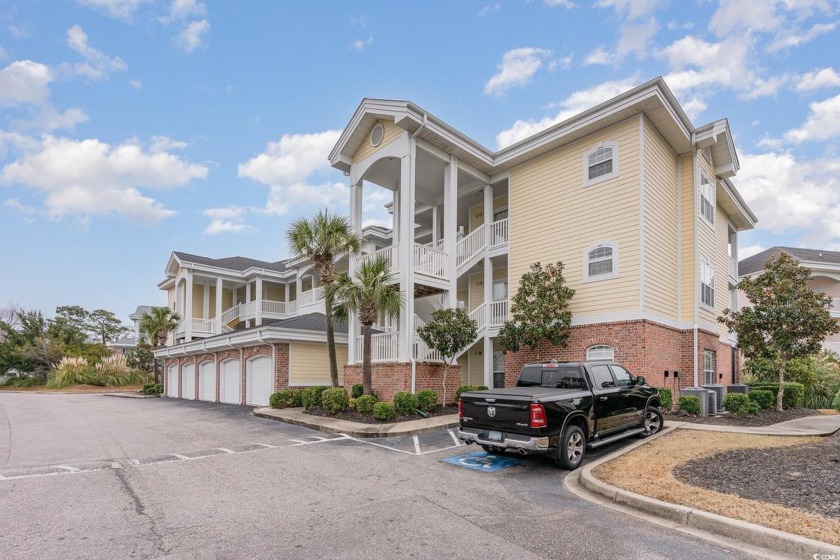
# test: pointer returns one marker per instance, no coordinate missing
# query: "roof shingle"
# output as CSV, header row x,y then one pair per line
x,y
755,263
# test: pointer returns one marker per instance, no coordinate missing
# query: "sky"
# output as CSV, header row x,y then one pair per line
x,y
133,128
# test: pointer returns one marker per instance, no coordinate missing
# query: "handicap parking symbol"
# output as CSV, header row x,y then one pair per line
x,y
484,462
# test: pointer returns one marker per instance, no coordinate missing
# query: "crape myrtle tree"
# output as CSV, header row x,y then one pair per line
x,y
449,332
539,310
321,240
785,318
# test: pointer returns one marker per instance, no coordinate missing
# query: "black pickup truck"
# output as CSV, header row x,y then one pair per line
x,y
560,409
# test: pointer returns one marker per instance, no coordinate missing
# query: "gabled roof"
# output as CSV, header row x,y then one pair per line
x,y
240,264
755,263
140,311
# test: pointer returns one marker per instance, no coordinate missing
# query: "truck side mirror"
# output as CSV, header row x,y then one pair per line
x,y
640,380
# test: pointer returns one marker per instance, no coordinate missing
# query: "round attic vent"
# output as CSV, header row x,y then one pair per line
x,y
376,135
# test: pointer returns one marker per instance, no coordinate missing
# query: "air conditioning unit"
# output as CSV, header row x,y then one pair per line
x,y
739,388
711,402
702,394
720,390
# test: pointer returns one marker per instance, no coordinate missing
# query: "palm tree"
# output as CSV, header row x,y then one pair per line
x,y
372,291
320,240
157,323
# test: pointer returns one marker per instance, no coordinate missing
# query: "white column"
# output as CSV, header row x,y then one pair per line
x,y
395,206
435,229
356,202
205,292
488,210
288,292
298,286
219,287
406,254
259,287
450,224
247,301
188,307
488,361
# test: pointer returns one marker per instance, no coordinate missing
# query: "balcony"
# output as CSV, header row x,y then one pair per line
x,y
200,327
427,260
499,234
310,298
384,347
733,269
498,313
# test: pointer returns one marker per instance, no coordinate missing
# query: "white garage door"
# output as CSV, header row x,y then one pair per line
x,y
188,382
207,381
230,382
258,382
172,382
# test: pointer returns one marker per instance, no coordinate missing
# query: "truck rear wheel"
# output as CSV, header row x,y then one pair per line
x,y
571,448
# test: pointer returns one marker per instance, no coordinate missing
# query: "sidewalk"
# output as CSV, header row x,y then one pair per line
x,y
809,426
355,429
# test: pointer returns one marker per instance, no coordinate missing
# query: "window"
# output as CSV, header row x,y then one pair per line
x,y
707,283
709,359
600,163
500,290
501,214
622,376
600,352
601,376
707,199
600,262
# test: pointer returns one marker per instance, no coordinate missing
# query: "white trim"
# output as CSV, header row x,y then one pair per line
x,y
600,346
624,316
704,262
712,202
615,262
642,211
378,126
679,238
252,337
613,145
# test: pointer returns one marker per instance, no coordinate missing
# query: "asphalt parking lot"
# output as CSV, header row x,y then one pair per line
x,y
88,476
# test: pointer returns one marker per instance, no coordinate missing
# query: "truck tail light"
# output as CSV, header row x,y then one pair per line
x,y
460,409
538,416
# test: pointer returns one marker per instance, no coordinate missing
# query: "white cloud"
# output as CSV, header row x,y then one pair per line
x,y
359,44
576,103
598,56
822,123
120,9
136,84
490,9
158,144
283,198
24,82
25,211
632,9
739,16
750,250
818,79
190,38
227,220
291,159
18,31
88,177
516,69
565,63
48,119
634,38
97,65
560,3
184,9
796,38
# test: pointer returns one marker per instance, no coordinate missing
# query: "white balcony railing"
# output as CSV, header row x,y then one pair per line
x,y
421,350
499,233
429,261
498,313
470,245
479,315
390,254
383,347
279,307
204,326
231,314
311,296
248,310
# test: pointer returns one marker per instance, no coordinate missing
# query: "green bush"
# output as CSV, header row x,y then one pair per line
x,y
405,403
467,388
835,404
287,398
689,405
666,398
383,411
357,390
762,397
364,404
427,400
737,403
794,393
753,408
310,397
351,404
334,400
72,371
152,389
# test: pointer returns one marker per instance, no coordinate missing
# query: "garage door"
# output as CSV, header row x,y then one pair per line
x,y
258,382
172,382
230,382
207,381
188,382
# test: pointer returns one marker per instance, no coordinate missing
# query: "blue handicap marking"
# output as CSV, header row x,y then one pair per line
x,y
484,462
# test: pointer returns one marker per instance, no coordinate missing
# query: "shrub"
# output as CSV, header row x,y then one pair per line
x,y
467,388
70,371
28,381
737,403
666,398
357,390
383,411
334,400
153,389
836,403
405,403
762,397
288,398
364,404
310,397
351,404
427,400
753,408
794,393
689,405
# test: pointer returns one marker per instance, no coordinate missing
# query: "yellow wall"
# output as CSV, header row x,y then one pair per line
x,y
721,261
477,211
476,353
688,218
309,363
392,132
274,292
213,311
661,227
706,242
476,289
198,301
227,299
578,217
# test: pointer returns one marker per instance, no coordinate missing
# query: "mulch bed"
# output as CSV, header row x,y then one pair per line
x,y
806,477
764,418
353,416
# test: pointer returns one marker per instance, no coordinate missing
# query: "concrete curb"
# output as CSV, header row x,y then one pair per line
x,y
736,529
130,395
829,429
297,417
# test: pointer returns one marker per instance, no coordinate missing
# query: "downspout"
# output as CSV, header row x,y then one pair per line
x,y
411,358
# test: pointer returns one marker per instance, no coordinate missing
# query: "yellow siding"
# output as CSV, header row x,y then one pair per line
x,y
689,218
477,211
275,292
721,261
476,290
661,227
292,292
476,353
213,311
198,301
463,296
227,300
392,132
309,363
706,241
463,361
553,217
500,202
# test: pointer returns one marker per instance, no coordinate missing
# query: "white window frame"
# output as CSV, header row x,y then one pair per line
x,y
600,353
707,266
710,186
587,182
606,276
709,364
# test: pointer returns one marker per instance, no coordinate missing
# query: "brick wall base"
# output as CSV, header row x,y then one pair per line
x,y
388,378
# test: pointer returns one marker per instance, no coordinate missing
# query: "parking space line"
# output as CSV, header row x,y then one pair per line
x,y
66,468
226,450
454,437
438,450
267,446
181,457
416,445
384,446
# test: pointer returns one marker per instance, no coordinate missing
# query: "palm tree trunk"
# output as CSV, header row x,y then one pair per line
x,y
367,381
328,303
